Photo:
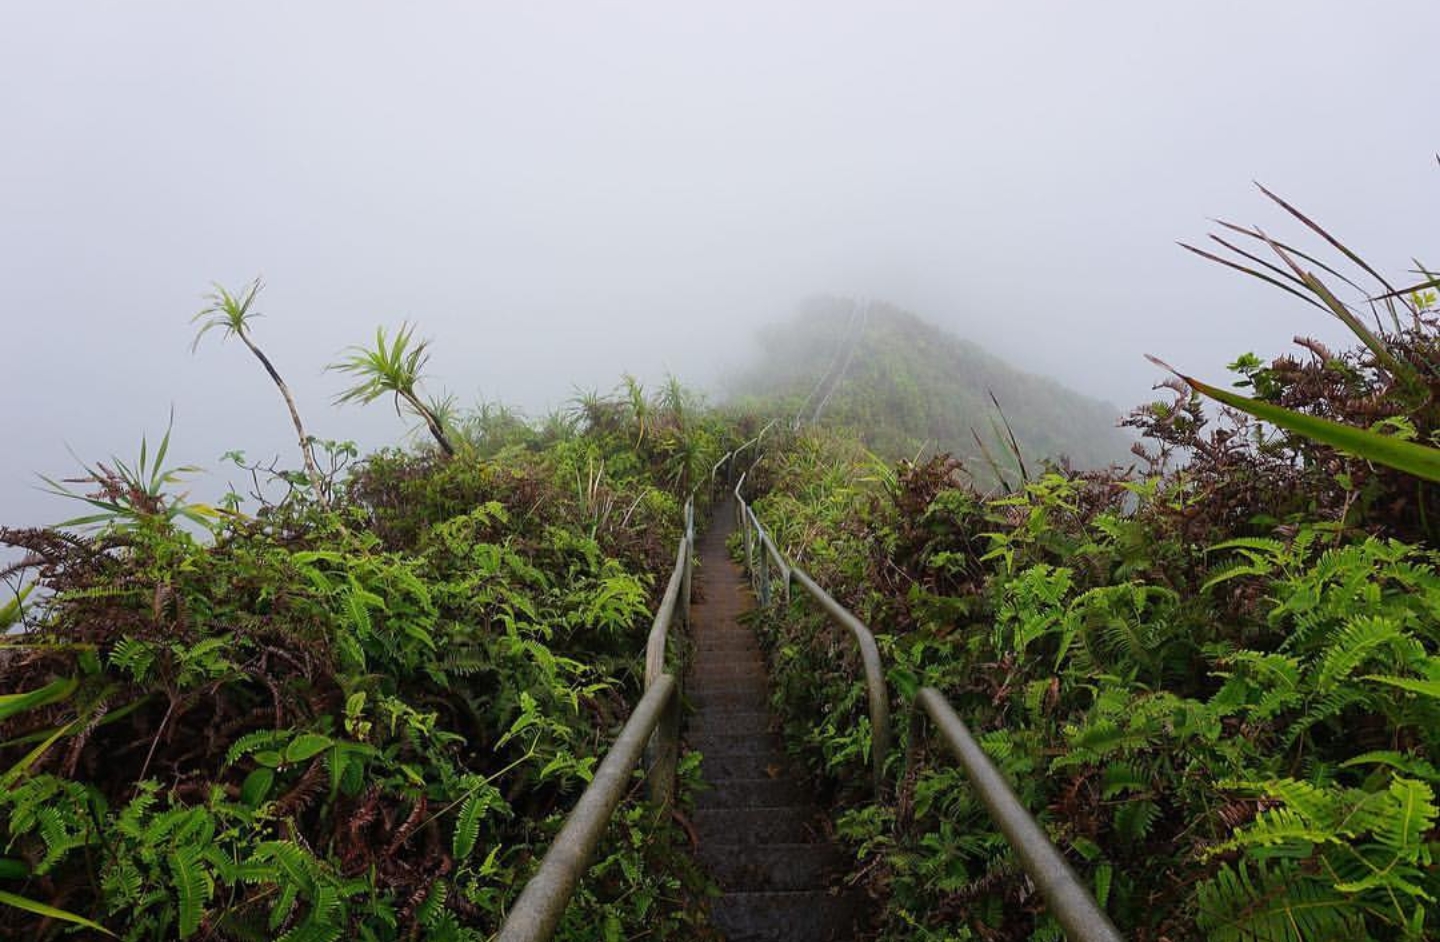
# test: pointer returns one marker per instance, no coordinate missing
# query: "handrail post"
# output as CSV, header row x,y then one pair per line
x,y
688,577
665,755
663,748
764,575
749,547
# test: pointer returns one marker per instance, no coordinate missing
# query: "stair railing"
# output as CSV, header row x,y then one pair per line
x,y
760,552
1071,902
1067,898
653,726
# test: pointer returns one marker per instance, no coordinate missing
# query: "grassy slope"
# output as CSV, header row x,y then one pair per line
x,y
914,387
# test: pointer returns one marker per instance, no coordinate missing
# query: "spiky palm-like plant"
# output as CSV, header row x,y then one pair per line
x,y
393,367
232,314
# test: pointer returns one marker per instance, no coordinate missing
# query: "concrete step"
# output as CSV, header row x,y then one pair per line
x,y
727,700
738,646
732,660
740,869
722,672
726,640
772,867
763,792
730,721
722,635
731,744
701,685
720,768
793,824
784,916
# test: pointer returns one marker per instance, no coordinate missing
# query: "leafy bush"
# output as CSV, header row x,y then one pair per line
x,y
1216,684
357,719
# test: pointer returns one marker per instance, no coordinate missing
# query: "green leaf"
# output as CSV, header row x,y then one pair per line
x,y
257,786
50,912
467,826
1427,688
306,746
1415,807
1418,460
13,703
192,887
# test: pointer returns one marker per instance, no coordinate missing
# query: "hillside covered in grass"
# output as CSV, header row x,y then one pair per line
x,y
909,388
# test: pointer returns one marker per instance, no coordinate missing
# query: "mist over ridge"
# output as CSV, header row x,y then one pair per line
x,y
912,389
559,196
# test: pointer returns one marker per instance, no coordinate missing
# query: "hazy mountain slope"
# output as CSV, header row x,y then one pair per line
x,y
908,386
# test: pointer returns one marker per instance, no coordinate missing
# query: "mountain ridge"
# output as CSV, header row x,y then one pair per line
x,y
911,388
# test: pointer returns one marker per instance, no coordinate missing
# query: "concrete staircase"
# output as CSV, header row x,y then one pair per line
x,y
760,834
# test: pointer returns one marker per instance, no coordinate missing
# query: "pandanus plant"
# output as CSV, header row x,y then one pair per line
x,y
232,314
393,367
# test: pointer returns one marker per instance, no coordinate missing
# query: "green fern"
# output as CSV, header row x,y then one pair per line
x,y
193,887
1275,902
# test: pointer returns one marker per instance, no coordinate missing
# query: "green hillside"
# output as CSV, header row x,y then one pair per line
x,y
907,387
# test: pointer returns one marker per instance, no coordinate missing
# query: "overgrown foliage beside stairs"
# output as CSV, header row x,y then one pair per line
x,y
357,717
1215,678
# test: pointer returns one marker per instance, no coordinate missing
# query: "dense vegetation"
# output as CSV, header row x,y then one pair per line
x,y
907,388
1217,681
359,709
355,702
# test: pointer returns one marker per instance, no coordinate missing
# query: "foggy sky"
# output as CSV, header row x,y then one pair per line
x,y
561,192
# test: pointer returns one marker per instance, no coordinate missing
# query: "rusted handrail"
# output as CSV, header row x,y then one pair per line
x,y
654,726
1067,898
542,903
665,746
874,674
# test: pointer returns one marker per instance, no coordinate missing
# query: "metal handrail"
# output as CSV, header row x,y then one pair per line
x,y
1066,896
542,903
654,726
874,674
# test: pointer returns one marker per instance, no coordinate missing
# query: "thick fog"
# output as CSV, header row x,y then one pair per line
x,y
557,193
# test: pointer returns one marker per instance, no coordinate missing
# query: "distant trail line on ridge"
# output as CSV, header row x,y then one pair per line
x,y
830,368
860,321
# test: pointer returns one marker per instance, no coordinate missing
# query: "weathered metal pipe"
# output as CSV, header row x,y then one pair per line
x,y
874,672
1069,900
664,615
542,903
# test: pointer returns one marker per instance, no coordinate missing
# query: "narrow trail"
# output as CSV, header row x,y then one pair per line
x,y
760,834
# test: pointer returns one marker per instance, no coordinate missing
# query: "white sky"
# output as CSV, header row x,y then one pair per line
x,y
560,192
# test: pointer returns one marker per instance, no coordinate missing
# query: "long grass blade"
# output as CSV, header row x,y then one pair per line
x,y
1402,371
1014,445
990,460
12,704
1257,260
1251,272
50,912
1403,292
1328,238
1262,237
